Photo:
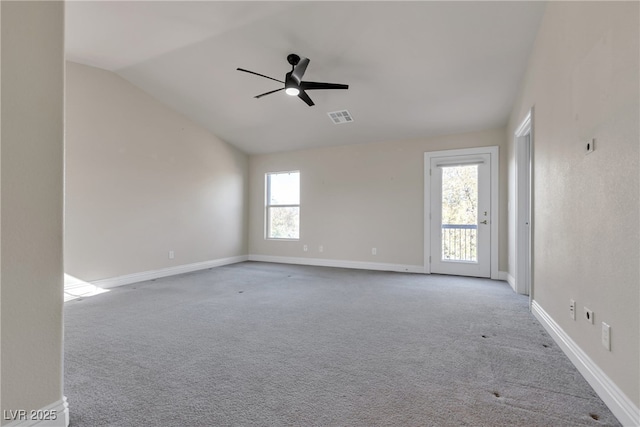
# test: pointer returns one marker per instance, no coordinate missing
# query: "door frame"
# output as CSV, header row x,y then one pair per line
x,y
494,155
523,266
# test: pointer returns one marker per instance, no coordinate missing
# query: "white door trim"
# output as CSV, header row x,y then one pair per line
x,y
494,153
523,264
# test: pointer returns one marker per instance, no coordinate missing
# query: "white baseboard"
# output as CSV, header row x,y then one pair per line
x,y
360,265
41,417
511,281
165,272
503,275
621,406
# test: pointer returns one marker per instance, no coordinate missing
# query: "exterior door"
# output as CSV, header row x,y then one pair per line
x,y
460,217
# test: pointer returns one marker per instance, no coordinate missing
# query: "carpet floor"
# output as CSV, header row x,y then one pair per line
x,y
258,344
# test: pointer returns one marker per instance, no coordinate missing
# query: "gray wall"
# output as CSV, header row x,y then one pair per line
x,y
583,81
142,180
31,178
357,197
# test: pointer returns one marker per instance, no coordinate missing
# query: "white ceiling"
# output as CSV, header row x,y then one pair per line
x,y
415,69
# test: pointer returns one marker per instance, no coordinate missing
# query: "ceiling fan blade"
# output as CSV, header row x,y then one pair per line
x,y
258,74
268,93
303,95
298,70
318,85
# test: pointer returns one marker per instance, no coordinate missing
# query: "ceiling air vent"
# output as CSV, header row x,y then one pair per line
x,y
339,117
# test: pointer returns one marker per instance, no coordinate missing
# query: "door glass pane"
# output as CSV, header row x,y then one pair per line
x,y
459,213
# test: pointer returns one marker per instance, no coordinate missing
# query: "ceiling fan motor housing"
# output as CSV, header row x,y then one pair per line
x,y
291,81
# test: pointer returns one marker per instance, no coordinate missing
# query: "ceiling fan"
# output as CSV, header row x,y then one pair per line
x,y
293,84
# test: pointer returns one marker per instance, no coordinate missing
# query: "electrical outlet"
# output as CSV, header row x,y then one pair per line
x,y
606,336
374,251
589,315
572,309
320,249
305,248
172,255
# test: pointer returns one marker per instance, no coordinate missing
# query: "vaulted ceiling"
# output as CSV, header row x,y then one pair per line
x,y
415,69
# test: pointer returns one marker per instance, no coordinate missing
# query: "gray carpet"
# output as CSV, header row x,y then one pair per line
x,y
256,344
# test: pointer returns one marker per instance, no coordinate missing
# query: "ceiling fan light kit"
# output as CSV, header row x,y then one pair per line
x,y
292,91
293,83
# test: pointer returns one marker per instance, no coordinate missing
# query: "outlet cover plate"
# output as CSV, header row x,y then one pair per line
x,y
589,315
589,146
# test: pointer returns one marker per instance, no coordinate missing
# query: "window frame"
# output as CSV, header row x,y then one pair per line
x,y
268,206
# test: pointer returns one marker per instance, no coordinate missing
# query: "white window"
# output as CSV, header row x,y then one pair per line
x,y
283,205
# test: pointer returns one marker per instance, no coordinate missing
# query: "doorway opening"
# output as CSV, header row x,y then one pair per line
x,y
523,142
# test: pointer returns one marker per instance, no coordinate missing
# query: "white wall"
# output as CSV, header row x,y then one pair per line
x,y
142,180
357,197
583,80
31,179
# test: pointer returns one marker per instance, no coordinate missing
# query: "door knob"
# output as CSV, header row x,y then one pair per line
x,y
483,222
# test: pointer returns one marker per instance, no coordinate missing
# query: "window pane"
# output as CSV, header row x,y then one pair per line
x,y
459,213
284,223
285,188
